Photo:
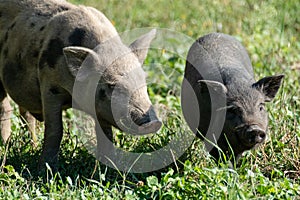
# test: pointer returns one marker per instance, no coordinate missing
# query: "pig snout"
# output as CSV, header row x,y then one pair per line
x,y
255,135
147,122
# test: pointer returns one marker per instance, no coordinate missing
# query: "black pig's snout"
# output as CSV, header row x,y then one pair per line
x,y
255,134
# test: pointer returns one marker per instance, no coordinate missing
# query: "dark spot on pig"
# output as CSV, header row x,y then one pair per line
x,y
32,24
54,90
52,53
1,45
41,43
6,36
12,26
42,28
5,52
35,54
77,37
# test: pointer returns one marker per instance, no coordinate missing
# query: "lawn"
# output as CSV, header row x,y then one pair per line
x,y
270,31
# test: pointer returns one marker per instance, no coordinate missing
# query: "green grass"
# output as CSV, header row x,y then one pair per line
x,y
270,32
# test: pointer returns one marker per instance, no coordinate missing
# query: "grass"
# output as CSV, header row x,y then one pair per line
x,y
270,32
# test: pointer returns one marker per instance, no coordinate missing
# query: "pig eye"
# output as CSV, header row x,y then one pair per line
x,y
261,107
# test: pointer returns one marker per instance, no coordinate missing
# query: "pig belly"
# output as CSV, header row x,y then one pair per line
x,y
23,88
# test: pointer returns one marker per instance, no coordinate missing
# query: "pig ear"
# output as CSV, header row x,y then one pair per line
x,y
269,86
141,45
207,85
75,57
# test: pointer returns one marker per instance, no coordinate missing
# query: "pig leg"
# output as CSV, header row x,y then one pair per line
x,y
101,140
5,114
52,109
30,122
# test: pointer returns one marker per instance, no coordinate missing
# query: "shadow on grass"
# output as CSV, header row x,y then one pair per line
x,y
74,162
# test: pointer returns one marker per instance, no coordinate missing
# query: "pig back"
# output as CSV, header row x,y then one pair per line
x,y
218,57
